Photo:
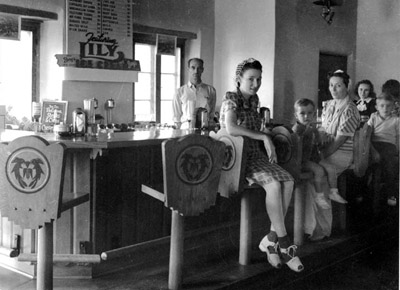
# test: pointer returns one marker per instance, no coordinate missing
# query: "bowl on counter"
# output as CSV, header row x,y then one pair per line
x,y
63,130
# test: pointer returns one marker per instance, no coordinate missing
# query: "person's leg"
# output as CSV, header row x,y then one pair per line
x,y
319,176
287,192
277,201
334,165
269,244
274,205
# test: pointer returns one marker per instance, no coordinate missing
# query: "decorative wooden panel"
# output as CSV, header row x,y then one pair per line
x,y
31,181
192,168
232,175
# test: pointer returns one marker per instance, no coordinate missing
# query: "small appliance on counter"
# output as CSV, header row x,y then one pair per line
x,y
109,106
90,106
78,122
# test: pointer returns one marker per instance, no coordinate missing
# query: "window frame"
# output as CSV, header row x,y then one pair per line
x,y
33,25
151,39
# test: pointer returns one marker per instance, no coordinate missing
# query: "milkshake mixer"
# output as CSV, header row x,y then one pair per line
x,y
90,106
109,105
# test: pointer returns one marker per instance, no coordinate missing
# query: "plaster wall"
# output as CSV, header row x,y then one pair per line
x,y
378,41
244,29
301,34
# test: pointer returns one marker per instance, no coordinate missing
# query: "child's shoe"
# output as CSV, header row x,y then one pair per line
x,y
392,201
335,196
321,201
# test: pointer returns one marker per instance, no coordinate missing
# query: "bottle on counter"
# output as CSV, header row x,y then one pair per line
x,y
265,115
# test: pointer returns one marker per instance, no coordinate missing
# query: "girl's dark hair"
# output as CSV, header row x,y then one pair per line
x,y
252,65
340,74
371,88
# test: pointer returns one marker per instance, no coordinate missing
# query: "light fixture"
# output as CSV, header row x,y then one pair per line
x,y
327,10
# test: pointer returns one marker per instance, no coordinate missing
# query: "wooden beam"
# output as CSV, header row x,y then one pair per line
x,y
63,258
28,12
69,203
154,193
139,28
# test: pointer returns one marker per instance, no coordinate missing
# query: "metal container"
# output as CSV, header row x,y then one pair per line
x,y
265,115
78,122
110,104
204,119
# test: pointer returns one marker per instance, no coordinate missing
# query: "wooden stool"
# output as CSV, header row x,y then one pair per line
x,y
31,179
361,160
191,170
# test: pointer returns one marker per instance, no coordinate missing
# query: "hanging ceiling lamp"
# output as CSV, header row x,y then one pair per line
x,y
327,10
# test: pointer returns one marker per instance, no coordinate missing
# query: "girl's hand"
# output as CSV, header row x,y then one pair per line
x,y
270,147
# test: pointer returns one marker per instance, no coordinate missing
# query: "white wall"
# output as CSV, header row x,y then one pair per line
x,y
301,34
378,41
244,29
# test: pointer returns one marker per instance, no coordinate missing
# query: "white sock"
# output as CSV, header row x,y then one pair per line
x,y
334,190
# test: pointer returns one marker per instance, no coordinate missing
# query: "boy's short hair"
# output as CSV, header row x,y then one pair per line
x,y
303,103
392,87
385,96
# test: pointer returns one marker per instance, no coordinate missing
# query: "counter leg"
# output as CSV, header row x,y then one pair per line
x,y
176,252
45,257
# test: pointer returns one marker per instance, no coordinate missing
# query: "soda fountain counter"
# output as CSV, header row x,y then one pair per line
x,y
112,168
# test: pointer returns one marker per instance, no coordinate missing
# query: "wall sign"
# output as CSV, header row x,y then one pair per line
x,y
48,112
99,35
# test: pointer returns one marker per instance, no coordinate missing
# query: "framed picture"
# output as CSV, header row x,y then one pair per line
x,y
10,26
48,112
166,44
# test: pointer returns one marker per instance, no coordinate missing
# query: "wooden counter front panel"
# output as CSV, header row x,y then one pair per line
x,y
126,216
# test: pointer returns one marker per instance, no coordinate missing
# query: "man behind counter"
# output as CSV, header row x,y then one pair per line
x,y
192,96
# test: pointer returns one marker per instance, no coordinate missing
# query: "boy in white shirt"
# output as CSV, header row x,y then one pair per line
x,y
385,139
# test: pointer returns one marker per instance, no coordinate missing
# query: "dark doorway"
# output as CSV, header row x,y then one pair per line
x,y
327,63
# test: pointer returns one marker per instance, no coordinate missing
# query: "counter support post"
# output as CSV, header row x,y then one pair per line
x,y
45,258
245,228
176,255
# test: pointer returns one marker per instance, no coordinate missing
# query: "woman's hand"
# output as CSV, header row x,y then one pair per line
x,y
325,139
270,147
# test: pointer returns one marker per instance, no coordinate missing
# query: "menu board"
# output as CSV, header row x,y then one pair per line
x,y
99,35
111,18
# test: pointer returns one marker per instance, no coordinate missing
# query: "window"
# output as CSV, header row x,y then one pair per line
x,y
158,80
19,75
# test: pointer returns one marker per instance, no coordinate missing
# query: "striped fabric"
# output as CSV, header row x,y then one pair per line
x,y
344,124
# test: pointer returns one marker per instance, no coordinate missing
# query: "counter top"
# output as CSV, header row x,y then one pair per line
x,y
103,141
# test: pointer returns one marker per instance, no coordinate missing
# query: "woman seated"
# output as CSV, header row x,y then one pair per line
x,y
340,119
240,117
